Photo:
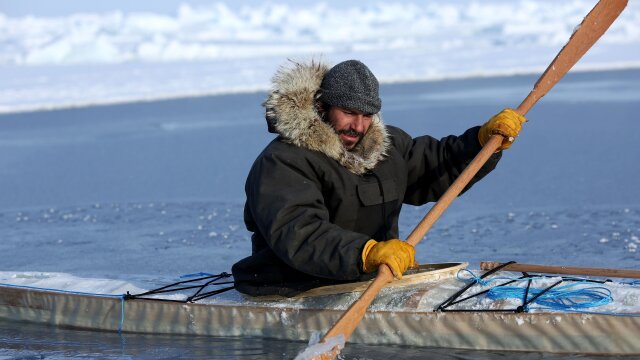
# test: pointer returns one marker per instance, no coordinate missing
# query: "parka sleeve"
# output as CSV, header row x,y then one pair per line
x,y
433,165
284,198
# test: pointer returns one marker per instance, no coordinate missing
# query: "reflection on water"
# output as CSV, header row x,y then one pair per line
x,y
24,340
30,341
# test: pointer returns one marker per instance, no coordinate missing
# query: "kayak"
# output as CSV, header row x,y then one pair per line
x,y
415,311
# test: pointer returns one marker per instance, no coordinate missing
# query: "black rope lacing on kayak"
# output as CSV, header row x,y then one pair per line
x,y
453,300
200,284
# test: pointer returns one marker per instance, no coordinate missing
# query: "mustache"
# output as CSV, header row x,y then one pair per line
x,y
351,132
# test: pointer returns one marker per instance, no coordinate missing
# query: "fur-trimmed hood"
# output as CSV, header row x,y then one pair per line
x,y
291,112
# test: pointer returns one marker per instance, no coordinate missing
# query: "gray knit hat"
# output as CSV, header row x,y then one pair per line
x,y
351,85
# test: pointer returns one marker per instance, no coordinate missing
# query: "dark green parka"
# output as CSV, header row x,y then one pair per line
x,y
312,205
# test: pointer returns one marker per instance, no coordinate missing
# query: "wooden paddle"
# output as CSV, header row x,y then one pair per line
x,y
590,30
565,270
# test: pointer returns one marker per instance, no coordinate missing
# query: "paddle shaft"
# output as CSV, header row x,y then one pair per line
x,y
590,30
565,270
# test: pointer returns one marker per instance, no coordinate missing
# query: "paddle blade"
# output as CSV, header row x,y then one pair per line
x,y
594,25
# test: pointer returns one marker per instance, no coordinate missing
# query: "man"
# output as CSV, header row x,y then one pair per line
x,y
324,197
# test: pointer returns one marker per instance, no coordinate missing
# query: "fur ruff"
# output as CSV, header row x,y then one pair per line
x,y
291,110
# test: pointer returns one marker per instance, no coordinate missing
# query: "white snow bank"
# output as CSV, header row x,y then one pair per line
x,y
95,58
219,31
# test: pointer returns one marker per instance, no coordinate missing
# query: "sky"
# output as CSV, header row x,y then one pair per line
x,y
47,8
67,7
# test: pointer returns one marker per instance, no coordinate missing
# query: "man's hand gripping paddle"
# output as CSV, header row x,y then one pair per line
x,y
590,30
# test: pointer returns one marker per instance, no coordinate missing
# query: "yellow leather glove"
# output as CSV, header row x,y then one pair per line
x,y
397,254
507,123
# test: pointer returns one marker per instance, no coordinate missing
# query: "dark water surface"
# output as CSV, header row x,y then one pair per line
x,y
577,149
29,341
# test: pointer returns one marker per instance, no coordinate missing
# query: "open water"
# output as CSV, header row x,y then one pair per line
x,y
156,189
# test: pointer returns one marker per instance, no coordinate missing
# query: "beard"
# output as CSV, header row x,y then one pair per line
x,y
350,144
351,132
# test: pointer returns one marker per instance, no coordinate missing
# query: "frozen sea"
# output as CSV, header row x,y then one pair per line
x,y
155,190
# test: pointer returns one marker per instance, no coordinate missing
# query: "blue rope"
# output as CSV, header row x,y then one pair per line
x,y
122,298
565,297
483,282
196,275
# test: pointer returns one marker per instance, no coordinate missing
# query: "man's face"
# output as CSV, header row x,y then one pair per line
x,y
350,125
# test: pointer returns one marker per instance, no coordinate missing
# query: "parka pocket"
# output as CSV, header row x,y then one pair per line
x,y
370,193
